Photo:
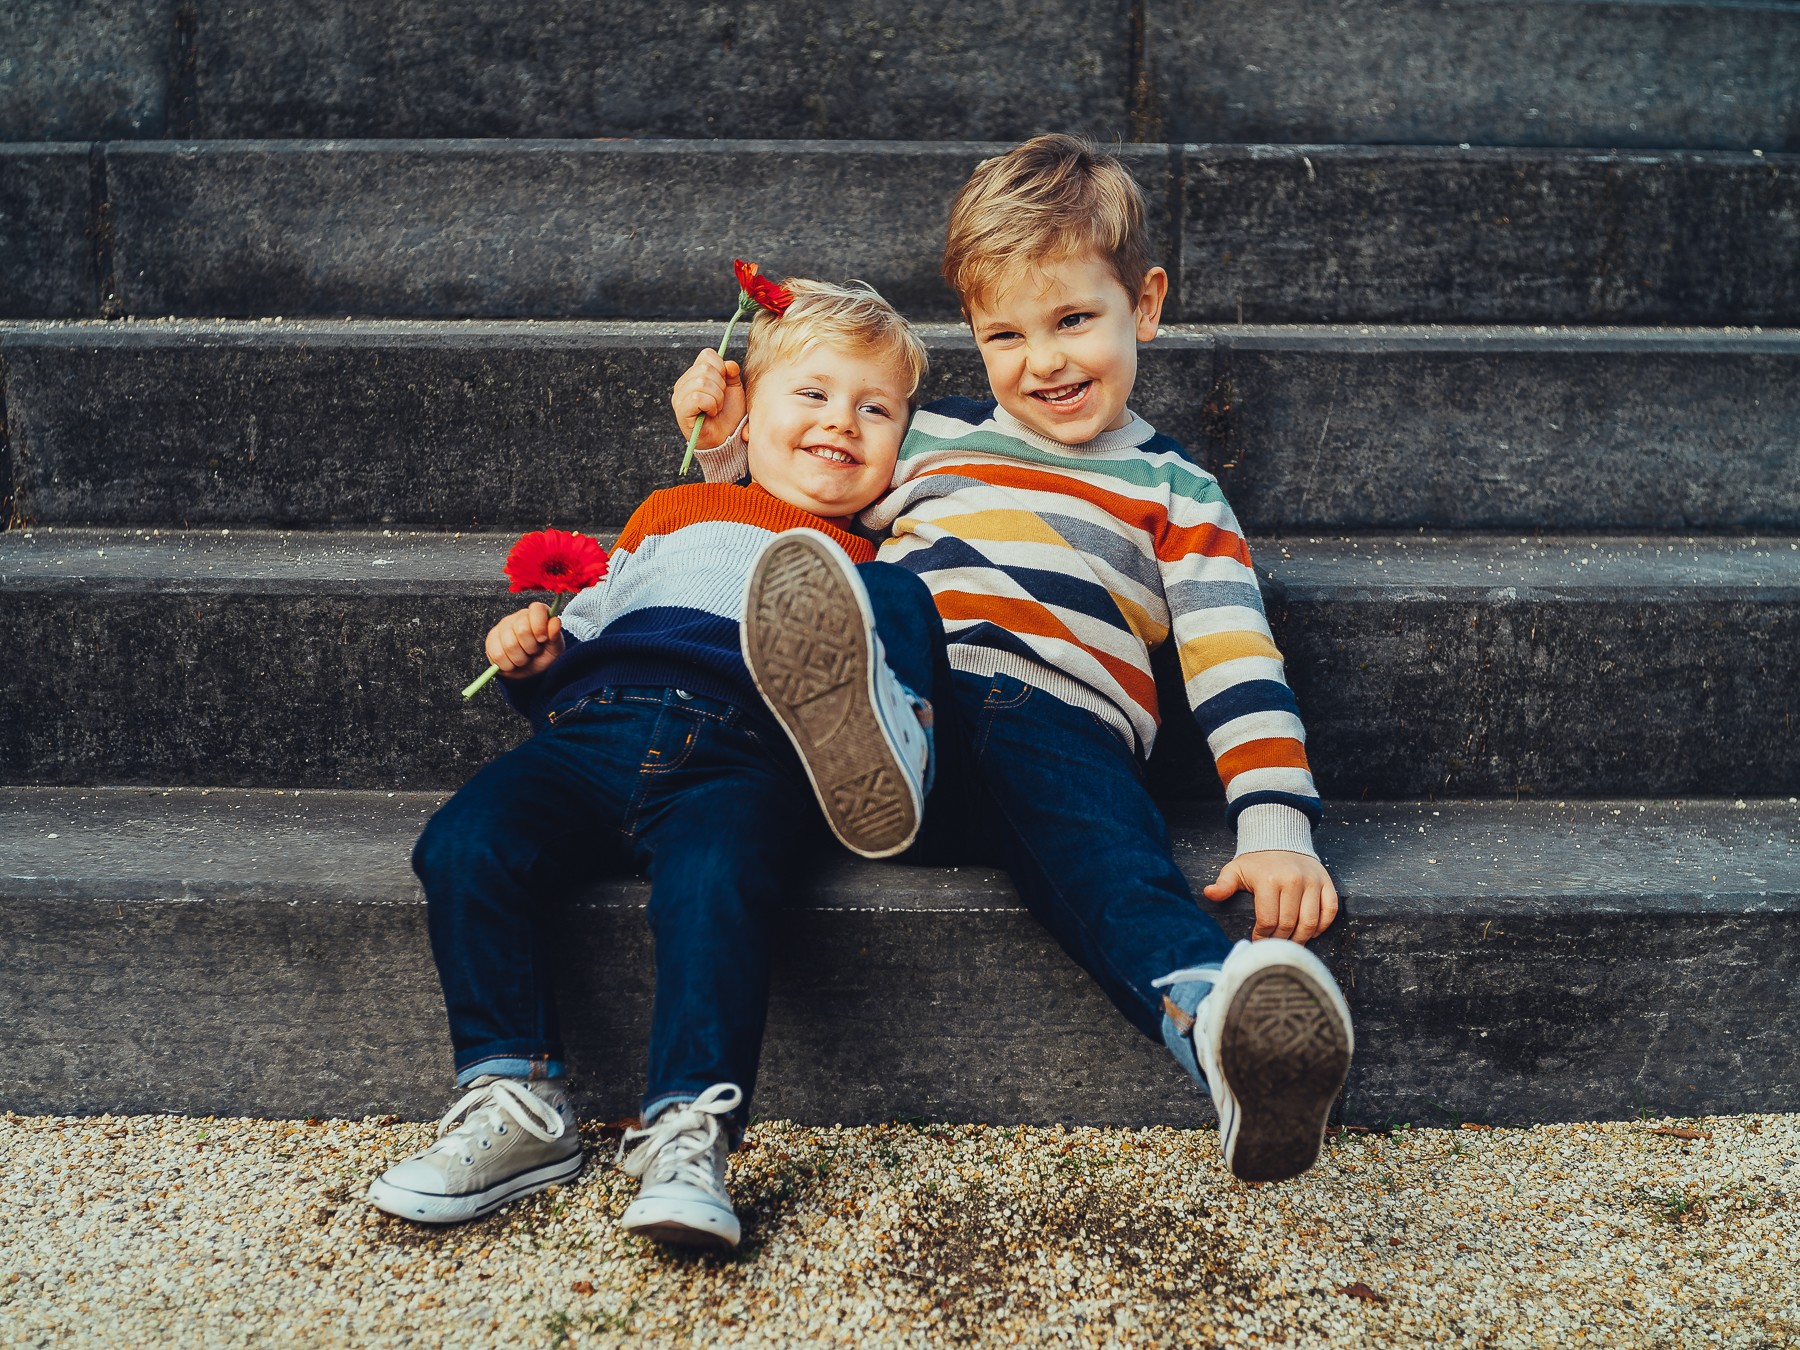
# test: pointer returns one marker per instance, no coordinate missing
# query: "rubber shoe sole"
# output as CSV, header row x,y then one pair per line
x,y
1285,1052
682,1224
423,1208
807,640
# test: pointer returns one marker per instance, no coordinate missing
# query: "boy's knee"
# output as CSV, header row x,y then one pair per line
x,y
892,586
454,841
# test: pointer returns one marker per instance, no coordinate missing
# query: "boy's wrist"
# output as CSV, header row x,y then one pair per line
x,y
726,462
1271,825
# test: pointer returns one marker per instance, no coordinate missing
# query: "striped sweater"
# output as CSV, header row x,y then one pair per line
x,y
1066,566
668,611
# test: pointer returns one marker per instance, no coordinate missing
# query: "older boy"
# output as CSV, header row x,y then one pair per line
x,y
653,752
1063,540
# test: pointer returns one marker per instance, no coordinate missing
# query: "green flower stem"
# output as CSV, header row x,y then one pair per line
x,y
745,305
475,686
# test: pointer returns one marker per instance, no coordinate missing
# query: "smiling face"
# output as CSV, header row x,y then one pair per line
x,y
1059,340
825,427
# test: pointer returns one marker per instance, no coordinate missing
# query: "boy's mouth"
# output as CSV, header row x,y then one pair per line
x,y
830,454
1063,395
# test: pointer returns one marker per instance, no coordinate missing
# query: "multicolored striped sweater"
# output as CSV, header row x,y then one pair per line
x,y
1066,566
668,611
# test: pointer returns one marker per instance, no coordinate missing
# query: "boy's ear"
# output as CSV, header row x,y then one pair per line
x,y
1151,295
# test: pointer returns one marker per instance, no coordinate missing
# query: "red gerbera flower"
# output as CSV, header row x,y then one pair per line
x,y
558,561
760,289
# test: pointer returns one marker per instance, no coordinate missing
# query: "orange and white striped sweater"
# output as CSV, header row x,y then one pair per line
x,y
1066,566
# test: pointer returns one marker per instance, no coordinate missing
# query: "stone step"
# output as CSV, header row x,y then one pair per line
x,y
264,953
501,425
1460,665
1522,72
644,229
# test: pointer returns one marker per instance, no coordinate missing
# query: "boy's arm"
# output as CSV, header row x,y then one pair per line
x,y
713,389
1237,687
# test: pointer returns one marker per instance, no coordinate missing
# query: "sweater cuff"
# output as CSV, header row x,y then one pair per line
x,y
1272,825
726,462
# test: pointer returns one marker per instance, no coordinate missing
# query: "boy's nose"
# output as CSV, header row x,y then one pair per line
x,y
1043,359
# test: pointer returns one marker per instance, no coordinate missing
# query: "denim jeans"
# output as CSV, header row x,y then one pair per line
x,y
630,779
1052,794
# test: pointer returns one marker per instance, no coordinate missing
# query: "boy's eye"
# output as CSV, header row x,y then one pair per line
x,y
1004,335
1073,320
875,409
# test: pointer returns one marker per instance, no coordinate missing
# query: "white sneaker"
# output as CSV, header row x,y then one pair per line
x,y
681,1161
809,640
1273,1038
505,1139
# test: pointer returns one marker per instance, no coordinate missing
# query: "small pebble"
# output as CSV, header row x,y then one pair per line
x,y
173,1230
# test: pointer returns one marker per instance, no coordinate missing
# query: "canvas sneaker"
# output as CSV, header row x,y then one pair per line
x,y
680,1158
810,642
505,1139
1273,1039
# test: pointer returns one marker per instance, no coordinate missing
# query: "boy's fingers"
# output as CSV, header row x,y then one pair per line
x,y
1225,885
1287,909
1308,927
1328,907
539,616
1267,913
733,373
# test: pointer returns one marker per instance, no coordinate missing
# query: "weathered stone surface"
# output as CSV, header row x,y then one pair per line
x,y
1298,234
568,229
1501,666
1470,428
497,425
879,69
46,232
1504,963
74,70
1517,72
460,425
1467,665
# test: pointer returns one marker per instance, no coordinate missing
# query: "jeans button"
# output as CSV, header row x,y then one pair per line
x,y
682,693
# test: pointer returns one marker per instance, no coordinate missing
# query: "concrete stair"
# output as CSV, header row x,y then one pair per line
x,y
1486,316
490,425
1507,963
1709,74
1443,665
606,229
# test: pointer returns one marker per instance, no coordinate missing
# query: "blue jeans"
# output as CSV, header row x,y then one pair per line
x,y
631,779
1052,794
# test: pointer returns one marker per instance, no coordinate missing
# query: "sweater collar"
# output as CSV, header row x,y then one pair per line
x,y
1128,437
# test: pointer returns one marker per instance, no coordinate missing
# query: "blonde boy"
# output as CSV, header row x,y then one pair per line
x,y
652,752
1063,540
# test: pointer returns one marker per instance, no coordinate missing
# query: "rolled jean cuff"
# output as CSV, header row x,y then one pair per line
x,y
537,1068
1182,992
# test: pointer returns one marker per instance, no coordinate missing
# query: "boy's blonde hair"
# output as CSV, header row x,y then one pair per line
x,y
1053,198
854,315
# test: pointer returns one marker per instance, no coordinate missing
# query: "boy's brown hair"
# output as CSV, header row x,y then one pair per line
x,y
1052,198
845,316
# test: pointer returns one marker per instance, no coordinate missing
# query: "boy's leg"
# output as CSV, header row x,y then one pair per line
x,y
491,860
722,829
1262,1025
496,857
1087,847
811,641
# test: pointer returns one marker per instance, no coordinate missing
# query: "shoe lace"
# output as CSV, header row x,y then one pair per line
x,y
678,1144
497,1103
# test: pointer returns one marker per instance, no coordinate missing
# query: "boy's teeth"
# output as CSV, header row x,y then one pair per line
x,y
1064,394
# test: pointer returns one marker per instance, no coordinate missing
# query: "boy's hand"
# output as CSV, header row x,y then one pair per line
x,y
1294,895
714,388
525,642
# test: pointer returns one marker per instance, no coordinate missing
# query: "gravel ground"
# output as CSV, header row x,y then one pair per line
x,y
164,1229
